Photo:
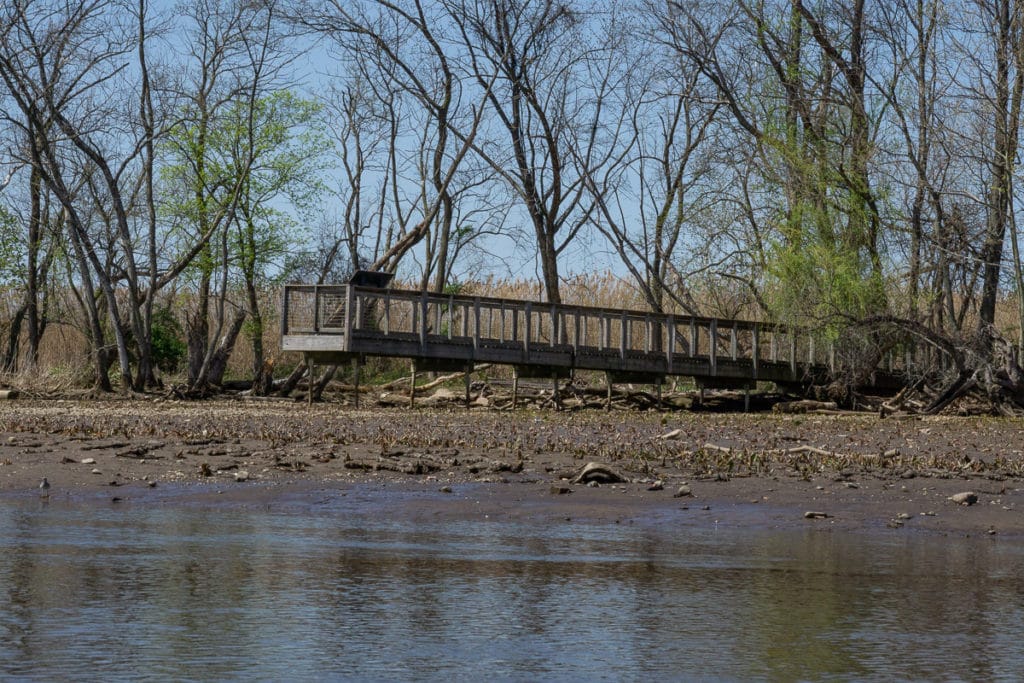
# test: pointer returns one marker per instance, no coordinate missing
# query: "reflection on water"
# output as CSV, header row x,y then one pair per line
x,y
345,591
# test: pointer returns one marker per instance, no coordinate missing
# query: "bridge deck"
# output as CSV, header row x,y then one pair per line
x,y
335,323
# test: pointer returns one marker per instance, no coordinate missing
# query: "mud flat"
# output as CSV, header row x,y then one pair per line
x,y
824,472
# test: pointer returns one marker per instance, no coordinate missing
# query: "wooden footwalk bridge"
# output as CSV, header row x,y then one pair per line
x,y
336,324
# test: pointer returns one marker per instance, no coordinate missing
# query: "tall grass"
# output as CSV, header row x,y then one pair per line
x,y
65,362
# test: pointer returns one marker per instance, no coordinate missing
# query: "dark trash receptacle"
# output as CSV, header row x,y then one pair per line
x,y
371,278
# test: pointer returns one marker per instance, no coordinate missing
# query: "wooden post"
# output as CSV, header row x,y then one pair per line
x,y
576,331
423,322
356,365
755,349
284,310
623,336
515,386
387,313
792,352
694,342
469,382
608,387
554,325
526,331
316,308
554,392
734,346
670,352
476,324
412,387
312,378
713,346
746,399
349,323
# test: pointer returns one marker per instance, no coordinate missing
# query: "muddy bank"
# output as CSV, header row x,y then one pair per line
x,y
857,471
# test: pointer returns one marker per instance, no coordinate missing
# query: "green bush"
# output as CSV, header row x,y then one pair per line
x,y
168,347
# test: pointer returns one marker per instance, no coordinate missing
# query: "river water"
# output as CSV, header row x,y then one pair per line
x,y
354,589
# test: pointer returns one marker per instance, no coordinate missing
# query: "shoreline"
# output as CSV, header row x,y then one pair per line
x,y
757,470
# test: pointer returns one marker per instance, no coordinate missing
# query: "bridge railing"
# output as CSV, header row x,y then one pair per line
x,y
351,312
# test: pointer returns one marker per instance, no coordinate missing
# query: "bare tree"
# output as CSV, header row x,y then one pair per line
x,y
395,51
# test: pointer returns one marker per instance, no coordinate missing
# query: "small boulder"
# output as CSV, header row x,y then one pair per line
x,y
965,498
811,514
682,492
602,474
656,485
560,490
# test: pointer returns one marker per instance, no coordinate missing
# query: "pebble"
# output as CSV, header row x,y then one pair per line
x,y
592,485
96,471
560,490
446,489
88,461
811,514
965,498
242,475
903,515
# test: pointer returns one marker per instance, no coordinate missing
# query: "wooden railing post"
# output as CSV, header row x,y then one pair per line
x,y
755,348
713,343
554,325
349,304
734,347
576,330
670,352
792,351
623,336
423,321
694,342
284,311
476,323
316,309
527,328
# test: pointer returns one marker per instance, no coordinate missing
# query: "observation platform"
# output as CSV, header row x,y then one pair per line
x,y
335,324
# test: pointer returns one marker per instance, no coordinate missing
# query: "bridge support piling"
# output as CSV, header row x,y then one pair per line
x,y
309,383
356,367
412,387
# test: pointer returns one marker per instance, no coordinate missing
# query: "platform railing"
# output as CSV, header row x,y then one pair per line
x,y
352,312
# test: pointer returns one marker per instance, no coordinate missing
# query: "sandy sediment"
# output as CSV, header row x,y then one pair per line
x,y
852,471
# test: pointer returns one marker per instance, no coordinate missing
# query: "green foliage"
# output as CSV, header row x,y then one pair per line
x,y
818,283
253,168
168,347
